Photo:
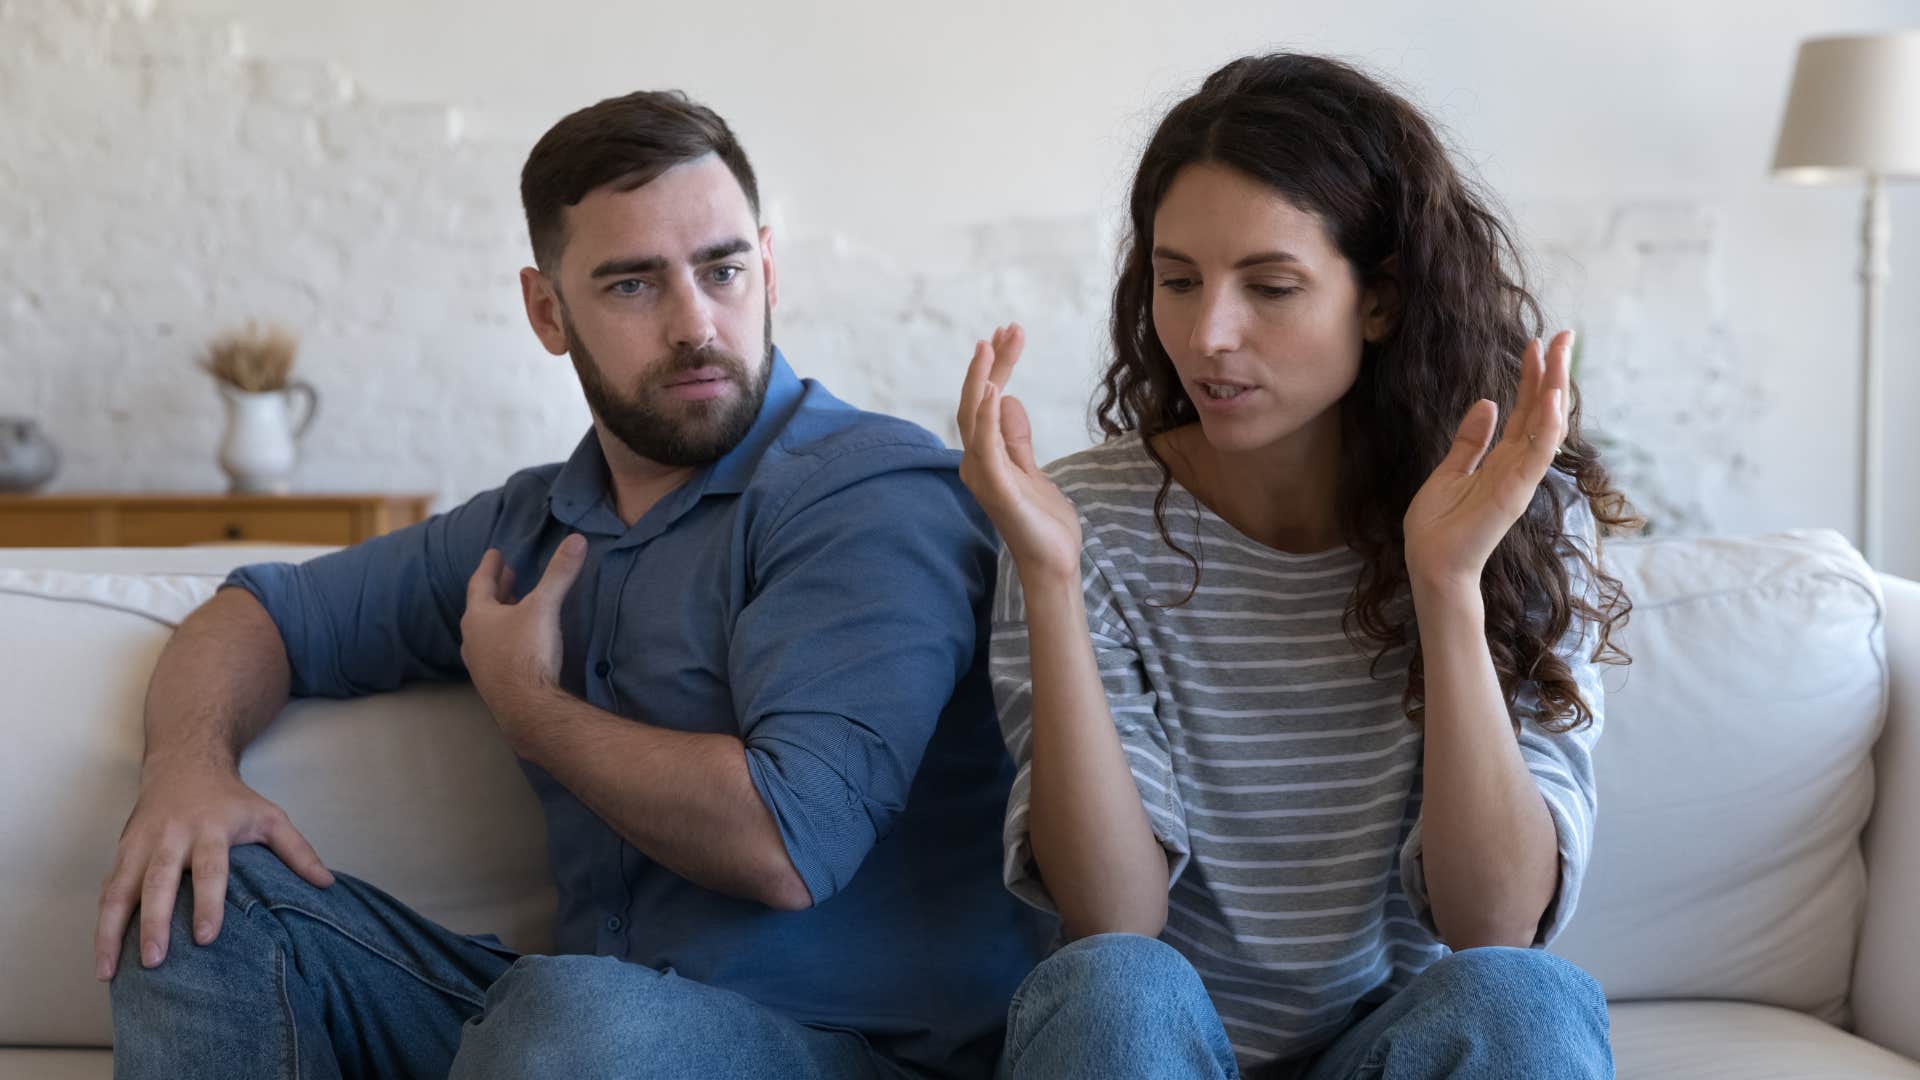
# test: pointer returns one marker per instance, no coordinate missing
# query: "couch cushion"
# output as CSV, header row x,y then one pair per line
x,y
1734,774
414,791
1720,1040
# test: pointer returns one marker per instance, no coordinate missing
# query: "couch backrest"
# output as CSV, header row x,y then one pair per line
x,y
415,791
1886,978
1735,774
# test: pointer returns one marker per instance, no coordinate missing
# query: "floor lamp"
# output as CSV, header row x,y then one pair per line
x,y
1854,114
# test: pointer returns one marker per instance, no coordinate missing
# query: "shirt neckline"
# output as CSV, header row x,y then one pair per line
x,y
1207,515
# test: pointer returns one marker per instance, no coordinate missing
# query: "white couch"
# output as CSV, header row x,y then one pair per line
x,y
1737,913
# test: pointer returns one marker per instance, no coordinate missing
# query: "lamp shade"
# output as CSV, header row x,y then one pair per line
x,y
1854,110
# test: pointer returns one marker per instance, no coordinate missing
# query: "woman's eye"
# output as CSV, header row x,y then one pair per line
x,y
1176,284
1275,292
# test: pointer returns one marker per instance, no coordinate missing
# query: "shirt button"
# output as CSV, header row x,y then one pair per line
x,y
614,923
602,668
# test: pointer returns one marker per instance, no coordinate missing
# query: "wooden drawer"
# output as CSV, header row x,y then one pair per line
x,y
51,527
174,528
178,520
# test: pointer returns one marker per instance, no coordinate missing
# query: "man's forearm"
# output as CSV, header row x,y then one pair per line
x,y
1489,849
684,799
220,680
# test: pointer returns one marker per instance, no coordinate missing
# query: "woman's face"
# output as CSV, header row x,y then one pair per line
x,y
1259,311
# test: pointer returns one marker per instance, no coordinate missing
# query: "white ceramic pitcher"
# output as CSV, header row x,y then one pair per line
x,y
262,443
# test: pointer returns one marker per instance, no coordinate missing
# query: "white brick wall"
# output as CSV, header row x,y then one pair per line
x,y
162,184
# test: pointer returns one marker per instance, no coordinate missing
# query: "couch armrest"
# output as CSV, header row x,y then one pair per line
x,y
1886,976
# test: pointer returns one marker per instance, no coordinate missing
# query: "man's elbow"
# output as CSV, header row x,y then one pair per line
x,y
782,889
786,892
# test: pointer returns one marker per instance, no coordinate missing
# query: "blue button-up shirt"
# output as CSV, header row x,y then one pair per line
x,y
819,592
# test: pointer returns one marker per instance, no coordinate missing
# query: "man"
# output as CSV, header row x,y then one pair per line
x,y
747,683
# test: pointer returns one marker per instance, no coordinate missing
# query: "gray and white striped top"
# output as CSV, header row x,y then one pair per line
x,y
1281,777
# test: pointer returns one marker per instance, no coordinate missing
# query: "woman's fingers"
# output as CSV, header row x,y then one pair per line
x,y
987,436
1527,397
1559,373
1546,423
1008,341
971,388
1017,430
1470,439
1548,428
992,364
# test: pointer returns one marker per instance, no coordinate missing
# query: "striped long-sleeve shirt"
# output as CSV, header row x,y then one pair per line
x,y
1281,776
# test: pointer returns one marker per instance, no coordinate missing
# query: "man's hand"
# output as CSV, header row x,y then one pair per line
x,y
512,648
187,817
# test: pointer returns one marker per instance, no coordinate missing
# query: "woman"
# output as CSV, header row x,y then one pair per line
x,y
1299,667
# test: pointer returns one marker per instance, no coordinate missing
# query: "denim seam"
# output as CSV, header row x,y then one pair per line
x,y
1014,1008
1599,994
286,1002
422,977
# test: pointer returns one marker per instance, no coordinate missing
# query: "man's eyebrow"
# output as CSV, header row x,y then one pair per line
x,y
631,264
653,264
715,252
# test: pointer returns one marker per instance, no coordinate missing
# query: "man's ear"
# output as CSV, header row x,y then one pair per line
x,y
1380,302
766,266
543,309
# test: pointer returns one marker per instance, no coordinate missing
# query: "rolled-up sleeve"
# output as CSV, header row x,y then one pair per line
x,y
1561,762
382,613
861,624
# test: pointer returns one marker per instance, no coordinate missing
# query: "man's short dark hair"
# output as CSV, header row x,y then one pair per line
x,y
631,140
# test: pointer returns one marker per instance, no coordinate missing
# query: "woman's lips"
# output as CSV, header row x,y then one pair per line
x,y
1236,395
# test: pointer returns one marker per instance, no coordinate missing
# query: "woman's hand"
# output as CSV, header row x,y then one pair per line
x,y
1466,507
1037,523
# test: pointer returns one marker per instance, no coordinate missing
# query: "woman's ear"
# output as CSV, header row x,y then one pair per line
x,y
1380,302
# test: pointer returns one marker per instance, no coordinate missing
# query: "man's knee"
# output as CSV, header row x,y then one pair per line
x,y
586,1017
255,876
585,987
190,971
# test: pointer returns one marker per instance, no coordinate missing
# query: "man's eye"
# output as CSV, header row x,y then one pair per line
x,y
628,287
724,275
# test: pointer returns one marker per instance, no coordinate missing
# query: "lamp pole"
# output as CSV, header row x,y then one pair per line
x,y
1876,234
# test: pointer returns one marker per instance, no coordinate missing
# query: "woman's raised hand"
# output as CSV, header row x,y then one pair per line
x,y
1466,507
1037,523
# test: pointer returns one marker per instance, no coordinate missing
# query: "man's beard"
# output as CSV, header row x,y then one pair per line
x,y
678,434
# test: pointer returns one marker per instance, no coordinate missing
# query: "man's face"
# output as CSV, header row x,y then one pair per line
x,y
663,297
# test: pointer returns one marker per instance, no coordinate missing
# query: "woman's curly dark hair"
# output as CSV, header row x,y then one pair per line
x,y
1338,144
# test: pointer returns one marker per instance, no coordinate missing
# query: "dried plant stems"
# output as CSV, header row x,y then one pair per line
x,y
254,359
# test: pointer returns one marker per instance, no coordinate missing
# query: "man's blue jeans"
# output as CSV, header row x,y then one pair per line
x,y
1124,1005
348,982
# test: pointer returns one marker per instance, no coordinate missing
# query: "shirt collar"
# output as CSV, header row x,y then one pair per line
x,y
579,493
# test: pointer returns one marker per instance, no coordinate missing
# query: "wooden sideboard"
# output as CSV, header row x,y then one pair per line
x,y
127,520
